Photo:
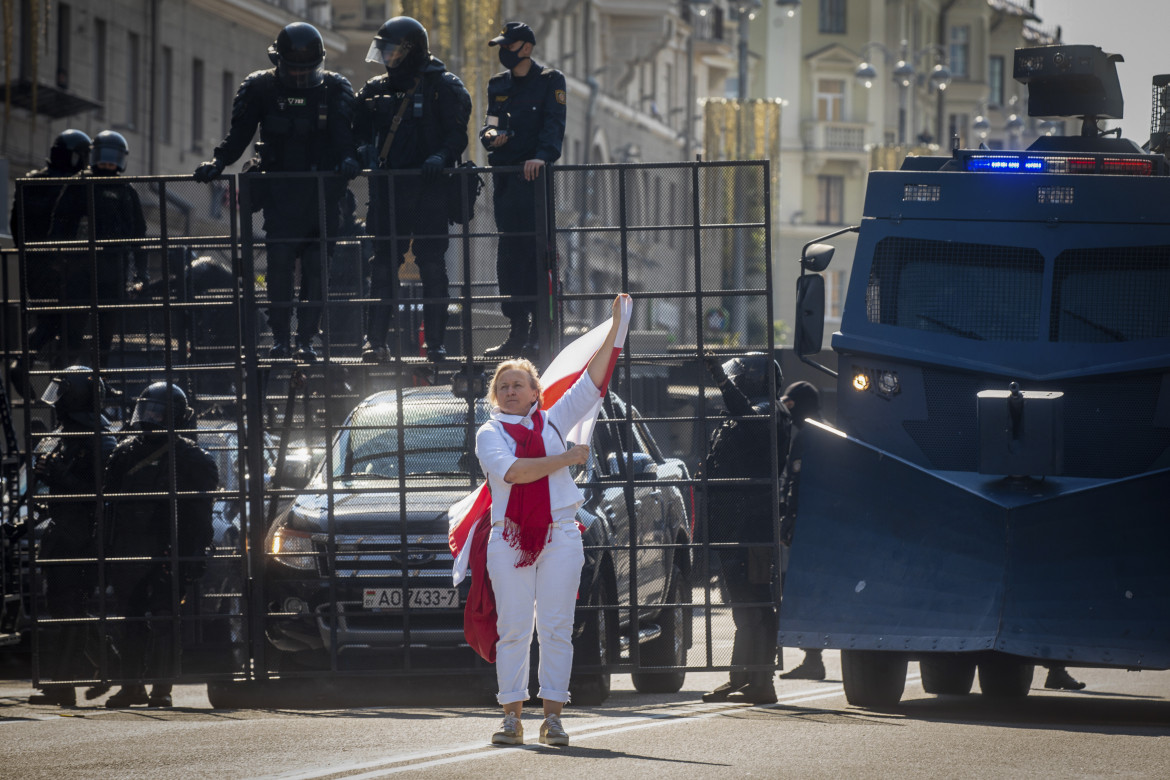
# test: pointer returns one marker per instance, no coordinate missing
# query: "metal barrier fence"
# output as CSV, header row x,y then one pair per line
x,y
329,553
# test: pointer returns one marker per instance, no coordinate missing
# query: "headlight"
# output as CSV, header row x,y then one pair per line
x,y
294,549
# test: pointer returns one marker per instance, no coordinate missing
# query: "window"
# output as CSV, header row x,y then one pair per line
x,y
197,105
99,66
168,88
960,52
830,199
832,16
374,11
830,99
229,93
982,292
64,47
133,42
995,81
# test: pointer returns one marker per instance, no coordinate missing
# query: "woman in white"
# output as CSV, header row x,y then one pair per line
x,y
534,552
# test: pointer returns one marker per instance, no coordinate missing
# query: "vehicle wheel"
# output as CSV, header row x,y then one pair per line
x,y
1002,677
946,674
595,647
873,678
670,647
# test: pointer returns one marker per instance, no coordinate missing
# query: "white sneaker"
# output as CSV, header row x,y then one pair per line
x,y
552,732
511,732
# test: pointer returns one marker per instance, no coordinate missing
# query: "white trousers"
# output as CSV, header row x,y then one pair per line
x,y
544,593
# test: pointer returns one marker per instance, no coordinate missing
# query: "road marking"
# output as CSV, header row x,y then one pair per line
x,y
684,713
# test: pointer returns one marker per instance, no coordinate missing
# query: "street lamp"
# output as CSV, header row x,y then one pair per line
x,y
905,74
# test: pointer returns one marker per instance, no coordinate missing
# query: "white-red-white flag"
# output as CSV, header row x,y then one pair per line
x,y
556,380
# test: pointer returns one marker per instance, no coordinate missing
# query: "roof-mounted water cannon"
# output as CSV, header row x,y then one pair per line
x,y
1071,81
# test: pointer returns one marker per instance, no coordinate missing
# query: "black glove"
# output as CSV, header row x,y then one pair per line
x,y
208,170
714,367
432,167
349,168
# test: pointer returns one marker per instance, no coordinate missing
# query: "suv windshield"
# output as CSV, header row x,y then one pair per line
x,y
438,436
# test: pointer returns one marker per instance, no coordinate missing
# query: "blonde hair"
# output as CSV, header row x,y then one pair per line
x,y
515,364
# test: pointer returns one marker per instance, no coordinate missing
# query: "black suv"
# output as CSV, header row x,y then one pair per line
x,y
359,566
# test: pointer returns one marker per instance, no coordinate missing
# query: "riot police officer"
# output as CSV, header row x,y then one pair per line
x,y
804,403
156,460
118,215
32,215
413,117
304,113
524,125
741,515
70,462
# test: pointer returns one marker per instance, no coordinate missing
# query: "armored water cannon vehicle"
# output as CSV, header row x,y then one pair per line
x,y
997,492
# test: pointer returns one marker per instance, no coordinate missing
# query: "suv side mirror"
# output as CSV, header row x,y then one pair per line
x,y
810,313
645,469
817,257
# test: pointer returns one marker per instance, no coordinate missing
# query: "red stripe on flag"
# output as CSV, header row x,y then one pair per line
x,y
555,390
457,536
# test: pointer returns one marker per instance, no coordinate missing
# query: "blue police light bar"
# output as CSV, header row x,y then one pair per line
x,y
1013,163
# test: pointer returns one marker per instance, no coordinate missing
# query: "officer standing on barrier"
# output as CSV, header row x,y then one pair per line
x,y
32,219
412,118
740,514
525,125
65,464
804,403
304,113
118,215
156,460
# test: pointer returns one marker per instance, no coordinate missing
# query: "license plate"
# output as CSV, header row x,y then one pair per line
x,y
419,598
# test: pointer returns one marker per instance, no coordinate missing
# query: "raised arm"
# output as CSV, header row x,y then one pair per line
x,y
599,364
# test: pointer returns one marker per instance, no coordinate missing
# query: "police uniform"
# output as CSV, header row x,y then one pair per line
x,y
66,465
531,109
31,220
145,590
433,122
117,215
300,130
740,515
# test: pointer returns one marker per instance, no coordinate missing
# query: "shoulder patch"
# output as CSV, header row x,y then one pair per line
x,y
560,93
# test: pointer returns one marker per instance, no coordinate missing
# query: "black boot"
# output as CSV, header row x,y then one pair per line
x,y
160,695
511,346
811,668
374,349
531,348
280,343
305,352
128,695
1060,680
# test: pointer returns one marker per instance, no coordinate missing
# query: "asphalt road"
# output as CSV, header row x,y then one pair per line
x,y
1118,727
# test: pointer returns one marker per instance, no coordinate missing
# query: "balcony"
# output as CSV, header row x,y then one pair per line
x,y
833,136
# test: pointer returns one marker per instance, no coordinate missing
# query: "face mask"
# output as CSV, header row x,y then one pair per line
x,y
510,59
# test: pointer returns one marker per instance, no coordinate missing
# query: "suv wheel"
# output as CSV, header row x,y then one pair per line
x,y
669,648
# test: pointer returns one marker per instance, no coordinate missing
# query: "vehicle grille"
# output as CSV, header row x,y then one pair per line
x,y
384,555
1109,427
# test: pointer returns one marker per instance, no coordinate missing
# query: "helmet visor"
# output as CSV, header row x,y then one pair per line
x,y
386,53
54,391
301,76
152,413
108,155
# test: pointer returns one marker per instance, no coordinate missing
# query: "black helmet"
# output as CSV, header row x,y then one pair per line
x,y
749,374
70,151
150,410
110,147
299,56
71,394
806,400
401,43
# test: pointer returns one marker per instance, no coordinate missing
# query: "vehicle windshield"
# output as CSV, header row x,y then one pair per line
x,y
438,434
